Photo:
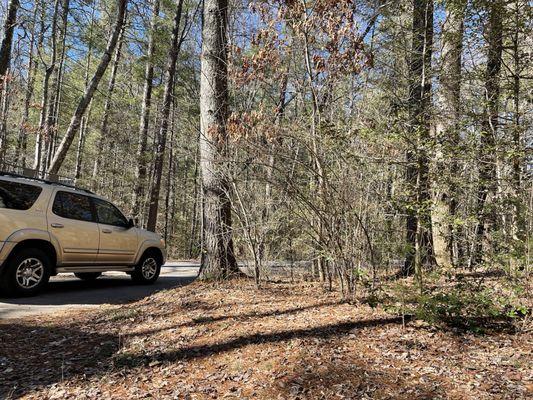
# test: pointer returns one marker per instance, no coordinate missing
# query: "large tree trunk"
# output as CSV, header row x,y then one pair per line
x,y
138,209
218,258
74,125
7,40
5,60
165,114
447,235
487,150
419,234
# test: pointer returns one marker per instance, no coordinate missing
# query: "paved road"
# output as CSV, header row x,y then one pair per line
x,y
66,292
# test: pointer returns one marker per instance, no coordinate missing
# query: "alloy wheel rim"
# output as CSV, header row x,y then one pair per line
x,y
149,268
29,273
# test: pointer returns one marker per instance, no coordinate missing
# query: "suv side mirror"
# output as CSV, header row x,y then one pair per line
x,y
131,223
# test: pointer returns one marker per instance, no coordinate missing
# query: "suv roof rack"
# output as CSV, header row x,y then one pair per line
x,y
49,182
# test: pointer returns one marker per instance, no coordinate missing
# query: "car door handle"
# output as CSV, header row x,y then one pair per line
x,y
55,225
106,231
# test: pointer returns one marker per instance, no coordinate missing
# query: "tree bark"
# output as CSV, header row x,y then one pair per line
x,y
447,235
218,258
170,75
22,142
5,60
487,149
419,235
7,40
519,223
74,125
145,117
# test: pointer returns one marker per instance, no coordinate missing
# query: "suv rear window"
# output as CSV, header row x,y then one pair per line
x,y
73,206
18,196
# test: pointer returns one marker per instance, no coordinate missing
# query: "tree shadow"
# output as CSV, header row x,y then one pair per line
x,y
202,351
238,317
352,379
35,356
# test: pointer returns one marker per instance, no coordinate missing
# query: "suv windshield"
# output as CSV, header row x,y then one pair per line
x,y
18,196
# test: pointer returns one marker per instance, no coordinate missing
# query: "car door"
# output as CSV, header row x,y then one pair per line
x,y
118,240
72,223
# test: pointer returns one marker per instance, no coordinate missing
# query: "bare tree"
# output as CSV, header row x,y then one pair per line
x,y
170,75
43,135
145,116
22,141
104,127
61,153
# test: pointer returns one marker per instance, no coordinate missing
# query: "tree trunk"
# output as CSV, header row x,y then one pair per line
x,y
165,114
74,125
53,103
170,178
104,127
5,60
519,223
447,235
4,110
7,41
85,119
43,136
267,208
419,236
22,142
487,150
218,258
145,117
81,146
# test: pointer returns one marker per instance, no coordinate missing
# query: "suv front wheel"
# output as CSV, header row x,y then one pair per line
x,y
148,269
25,273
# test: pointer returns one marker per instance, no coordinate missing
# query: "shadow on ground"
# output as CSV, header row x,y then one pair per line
x,y
33,357
105,290
352,378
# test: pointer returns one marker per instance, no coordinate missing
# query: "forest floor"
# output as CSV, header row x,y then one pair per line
x,y
232,340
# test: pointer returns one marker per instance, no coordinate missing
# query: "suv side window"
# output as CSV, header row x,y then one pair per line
x,y
108,214
18,196
73,206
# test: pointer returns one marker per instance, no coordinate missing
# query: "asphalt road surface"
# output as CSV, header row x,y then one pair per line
x,y
66,292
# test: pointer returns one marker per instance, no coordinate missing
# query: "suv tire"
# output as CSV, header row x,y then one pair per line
x,y
148,269
25,273
87,276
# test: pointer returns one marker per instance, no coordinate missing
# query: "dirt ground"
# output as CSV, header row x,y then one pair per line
x,y
231,340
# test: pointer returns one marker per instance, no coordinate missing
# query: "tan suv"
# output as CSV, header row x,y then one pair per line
x,y
48,228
